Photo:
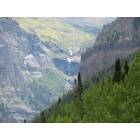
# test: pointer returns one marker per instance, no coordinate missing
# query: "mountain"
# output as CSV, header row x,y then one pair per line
x,y
57,31
88,24
118,39
39,57
103,102
99,97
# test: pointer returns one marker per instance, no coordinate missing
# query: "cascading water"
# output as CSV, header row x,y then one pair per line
x,y
69,59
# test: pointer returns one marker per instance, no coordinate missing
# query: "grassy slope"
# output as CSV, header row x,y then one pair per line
x,y
55,30
105,102
54,80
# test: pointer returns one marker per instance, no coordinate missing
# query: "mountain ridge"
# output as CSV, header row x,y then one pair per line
x,y
117,39
30,79
102,98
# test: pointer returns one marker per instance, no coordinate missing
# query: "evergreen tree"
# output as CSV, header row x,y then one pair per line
x,y
126,68
117,77
75,83
109,79
42,116
75,87
80,86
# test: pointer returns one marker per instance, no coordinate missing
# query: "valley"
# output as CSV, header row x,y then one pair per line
x,y
106,89
39,59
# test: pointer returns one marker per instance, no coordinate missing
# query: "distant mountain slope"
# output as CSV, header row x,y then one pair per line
x,y
55,30
118,39
122,30
15,45
88,24
26,73
39,57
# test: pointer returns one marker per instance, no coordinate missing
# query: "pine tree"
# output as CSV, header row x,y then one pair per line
x,y
75,87
80,86
126,68
42,116
75,83
118,71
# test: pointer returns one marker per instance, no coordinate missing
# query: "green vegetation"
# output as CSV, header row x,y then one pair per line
x,y
47,88
42,116
117,77
51,82
106,101
80,86
55,30
54,80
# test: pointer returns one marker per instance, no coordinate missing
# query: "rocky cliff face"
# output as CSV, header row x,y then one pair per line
x,y
116,40
20,52
39,57
29,79
24,59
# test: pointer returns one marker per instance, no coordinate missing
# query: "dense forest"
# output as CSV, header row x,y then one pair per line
x,y
113,98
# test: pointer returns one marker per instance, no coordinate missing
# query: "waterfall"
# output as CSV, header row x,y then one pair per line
x,y
70,52
69,60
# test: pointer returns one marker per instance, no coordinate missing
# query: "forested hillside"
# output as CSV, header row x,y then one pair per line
x,y
106,88
114,98
118,39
